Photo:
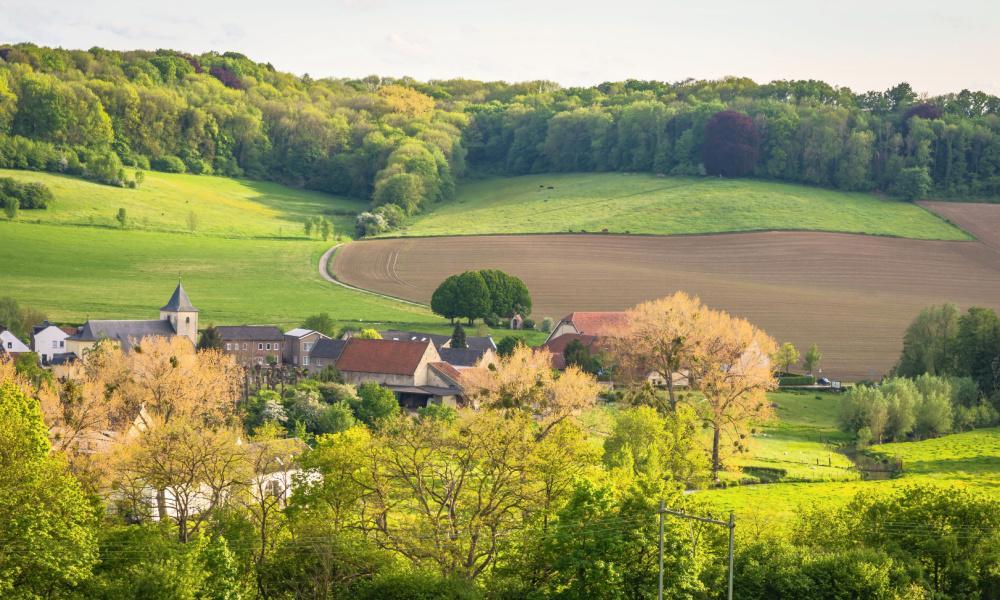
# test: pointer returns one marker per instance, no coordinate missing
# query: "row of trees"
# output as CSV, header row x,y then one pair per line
x,y
486,294
404,143
899,409
91,112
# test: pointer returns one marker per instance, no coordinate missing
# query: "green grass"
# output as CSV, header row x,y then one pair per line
x,y
668,205
222,206
970,460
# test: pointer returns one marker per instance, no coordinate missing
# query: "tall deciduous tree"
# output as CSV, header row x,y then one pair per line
x,y
812,358
525,381
731,367
659,337
930,342
786,357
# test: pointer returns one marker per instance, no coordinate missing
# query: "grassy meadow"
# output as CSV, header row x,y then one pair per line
x,y
641,203
804,422
222,206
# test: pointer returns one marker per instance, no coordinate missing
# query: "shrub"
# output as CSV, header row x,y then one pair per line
x,y
528,324
369,223
547,324
168,164
788,380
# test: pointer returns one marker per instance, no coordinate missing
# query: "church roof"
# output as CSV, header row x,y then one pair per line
x,y
179,301
125,332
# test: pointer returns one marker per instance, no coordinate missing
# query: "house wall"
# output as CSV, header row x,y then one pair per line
x,y
50,341
562,328
185,323
10,343
358,377
249,352
297,349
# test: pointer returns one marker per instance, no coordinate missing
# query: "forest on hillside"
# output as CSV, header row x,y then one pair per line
x,y
404,143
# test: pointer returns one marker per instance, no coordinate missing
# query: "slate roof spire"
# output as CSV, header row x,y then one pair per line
x,y
179,301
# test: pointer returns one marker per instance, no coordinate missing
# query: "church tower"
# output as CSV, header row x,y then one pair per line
x,y
183,316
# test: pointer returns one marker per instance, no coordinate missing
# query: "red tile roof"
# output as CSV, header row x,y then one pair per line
x,y
391,357
448,371
598,323
557,347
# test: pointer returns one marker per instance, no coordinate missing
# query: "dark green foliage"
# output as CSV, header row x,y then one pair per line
x,y
508,294
167,164
506,345
375,404
576,354
444,300
458,337
322,323
18,319
210,339
27,196
978,347
911,183
787,380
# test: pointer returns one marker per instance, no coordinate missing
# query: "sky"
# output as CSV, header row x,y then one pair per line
x,y
937,47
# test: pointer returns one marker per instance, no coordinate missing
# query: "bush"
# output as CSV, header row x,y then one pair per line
x,y
28,196
528,324
416,586
911,183
369,223
788,380
167,164
547,324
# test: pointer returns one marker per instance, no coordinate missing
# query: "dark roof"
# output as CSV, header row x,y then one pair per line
x,y
124,331
382,356
179,301
327,348
41,327
462,357
557,346
415,336
267,333
62,358
479,343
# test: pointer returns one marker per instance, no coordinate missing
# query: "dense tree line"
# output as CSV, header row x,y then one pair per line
x,y
404,143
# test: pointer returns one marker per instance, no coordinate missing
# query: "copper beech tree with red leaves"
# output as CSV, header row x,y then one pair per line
x,y
731,145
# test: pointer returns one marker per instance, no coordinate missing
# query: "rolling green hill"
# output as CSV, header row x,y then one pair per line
x,y
222,206
639,203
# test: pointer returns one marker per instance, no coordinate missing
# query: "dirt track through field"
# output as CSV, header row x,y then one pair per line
x,y
851,294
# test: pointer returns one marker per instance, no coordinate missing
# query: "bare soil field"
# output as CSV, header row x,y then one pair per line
x,y
851,294
979,219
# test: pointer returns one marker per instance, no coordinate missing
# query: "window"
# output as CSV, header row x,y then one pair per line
x,y
306,347
55,343
268,346
246,346
277,346
62,344
229,346
10,345
305,360
260,346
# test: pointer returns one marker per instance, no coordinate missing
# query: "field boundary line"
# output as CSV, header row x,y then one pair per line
x,y
324,272
971,238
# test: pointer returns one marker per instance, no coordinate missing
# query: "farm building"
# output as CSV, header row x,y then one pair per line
x,y
600,324
477,348
412,369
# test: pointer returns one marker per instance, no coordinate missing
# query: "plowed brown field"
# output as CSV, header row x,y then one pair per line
x,y
851,294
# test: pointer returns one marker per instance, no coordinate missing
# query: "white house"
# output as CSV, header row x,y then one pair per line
x,y
48,340
9,344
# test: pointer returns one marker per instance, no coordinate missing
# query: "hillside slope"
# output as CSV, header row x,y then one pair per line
x,y
639,203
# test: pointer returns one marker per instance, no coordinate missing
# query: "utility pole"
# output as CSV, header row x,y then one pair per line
x,y
731,525
659,593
